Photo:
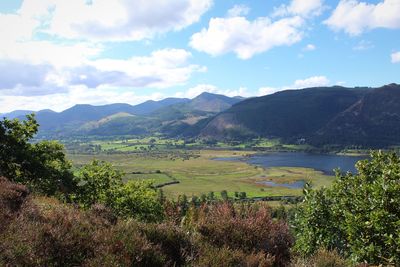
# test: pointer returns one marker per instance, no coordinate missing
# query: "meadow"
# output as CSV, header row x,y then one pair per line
x,y
197,173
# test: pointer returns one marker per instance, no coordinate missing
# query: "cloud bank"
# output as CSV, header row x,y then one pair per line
x,y
354,17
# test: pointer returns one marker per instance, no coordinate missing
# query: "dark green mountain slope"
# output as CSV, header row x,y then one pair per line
x,y
212,102
68,121
151,105
118,124
374,120
288,114
76,116
171,120
202,105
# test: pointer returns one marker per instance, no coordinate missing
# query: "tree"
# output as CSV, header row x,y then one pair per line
x,y
137,199
242,195
97,183
224,195
100,183
210,196
41,166
359,215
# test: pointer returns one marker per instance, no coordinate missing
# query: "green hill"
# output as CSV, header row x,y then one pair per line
x,y
288,114
171,116
374,120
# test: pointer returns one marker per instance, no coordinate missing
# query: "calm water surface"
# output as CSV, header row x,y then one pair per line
x,y
322,162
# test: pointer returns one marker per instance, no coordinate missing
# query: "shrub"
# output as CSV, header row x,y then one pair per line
x,y
225,257
174,242
12,196
316,224
48,235
359,216
137,199
100,183
248,228
322,258
124,245
97,183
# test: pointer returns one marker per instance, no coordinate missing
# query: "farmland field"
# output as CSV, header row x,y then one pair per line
x,y
197,172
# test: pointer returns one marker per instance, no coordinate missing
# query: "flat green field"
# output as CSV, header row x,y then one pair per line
x,y
198,173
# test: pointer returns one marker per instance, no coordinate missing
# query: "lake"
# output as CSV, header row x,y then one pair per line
x,y
322,162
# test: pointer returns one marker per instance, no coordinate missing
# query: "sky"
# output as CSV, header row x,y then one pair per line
x,y
56,53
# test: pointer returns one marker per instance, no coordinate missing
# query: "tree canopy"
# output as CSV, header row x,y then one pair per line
x,y
42,166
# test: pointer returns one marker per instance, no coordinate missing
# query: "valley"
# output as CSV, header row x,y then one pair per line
x,y
193,168
197,172
175,141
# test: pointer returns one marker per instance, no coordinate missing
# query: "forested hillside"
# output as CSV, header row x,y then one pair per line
x,y
319,116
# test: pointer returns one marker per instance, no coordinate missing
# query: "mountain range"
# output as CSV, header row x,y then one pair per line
x,y
167,116
335,115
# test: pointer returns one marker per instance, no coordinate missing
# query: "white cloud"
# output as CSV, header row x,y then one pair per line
x,y
197,90
355,17
123,19
18,73
32,62
101,20
246,38
74,95
302,8
268,90
161,69
309,47
164,68
46,52
38,72
314,81
395,57
238,10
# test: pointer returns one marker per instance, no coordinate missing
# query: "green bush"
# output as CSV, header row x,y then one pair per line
x,y
100,183
359,215
137,199
97,183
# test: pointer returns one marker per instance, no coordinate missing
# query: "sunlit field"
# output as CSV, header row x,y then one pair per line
x,y
197,172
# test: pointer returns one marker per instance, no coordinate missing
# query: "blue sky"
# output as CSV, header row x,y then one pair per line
x,y
57,53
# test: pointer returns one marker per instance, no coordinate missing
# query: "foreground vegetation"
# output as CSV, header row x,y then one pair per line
x,y
40,231
53,215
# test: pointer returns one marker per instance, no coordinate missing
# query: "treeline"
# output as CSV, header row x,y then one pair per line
x,y
53,216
